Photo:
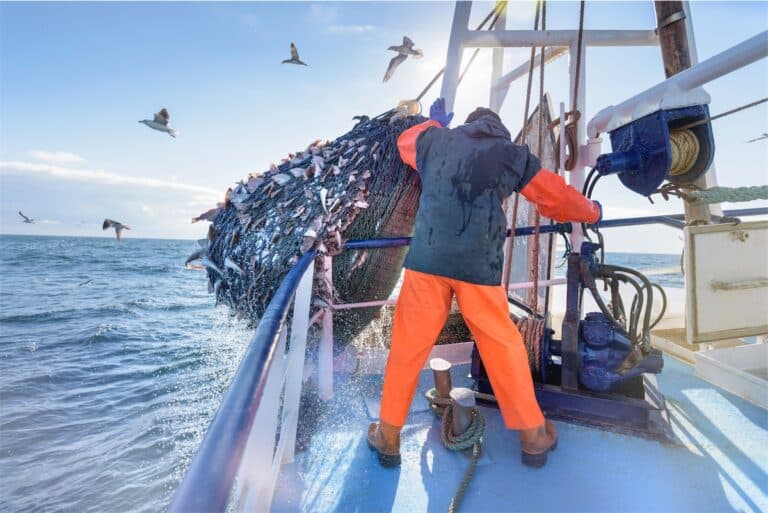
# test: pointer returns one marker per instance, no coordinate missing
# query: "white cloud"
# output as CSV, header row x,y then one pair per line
x,y
147,209
350,28
98,176
57,157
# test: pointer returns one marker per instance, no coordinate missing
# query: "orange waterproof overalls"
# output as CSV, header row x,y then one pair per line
x,y
425,301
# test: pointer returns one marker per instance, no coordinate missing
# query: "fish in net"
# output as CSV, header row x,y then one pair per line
x,y
355,187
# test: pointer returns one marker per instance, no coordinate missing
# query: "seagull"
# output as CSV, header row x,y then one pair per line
x,y
403,51
27,219
764,136
119,227
160,122
294,57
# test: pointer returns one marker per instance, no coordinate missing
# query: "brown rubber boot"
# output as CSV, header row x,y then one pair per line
x,y
536,443
385,440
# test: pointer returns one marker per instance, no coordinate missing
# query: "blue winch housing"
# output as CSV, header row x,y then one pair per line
x,y
604,348
642,151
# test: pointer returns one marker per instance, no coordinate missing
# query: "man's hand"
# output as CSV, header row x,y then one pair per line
x,y
437,113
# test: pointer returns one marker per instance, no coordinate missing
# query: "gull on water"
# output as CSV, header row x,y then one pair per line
x,y
403,51
27,219
294,57
160,122
119,227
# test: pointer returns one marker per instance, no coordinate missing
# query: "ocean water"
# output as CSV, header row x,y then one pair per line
x,y
107,385
113,361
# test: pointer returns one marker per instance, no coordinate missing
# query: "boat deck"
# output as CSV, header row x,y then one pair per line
x,y
720,463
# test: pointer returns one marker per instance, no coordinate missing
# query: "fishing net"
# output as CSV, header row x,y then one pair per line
x,y
355,187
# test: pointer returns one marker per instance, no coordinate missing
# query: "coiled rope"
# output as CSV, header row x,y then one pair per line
x,y
532,330
472,437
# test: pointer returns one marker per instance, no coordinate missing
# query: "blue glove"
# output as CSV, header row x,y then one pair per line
x,y
600,208
437,113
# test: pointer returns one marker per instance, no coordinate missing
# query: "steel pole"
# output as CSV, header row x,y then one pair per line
x,y
441,371
676,55
497,64
576,176
462,401
455,50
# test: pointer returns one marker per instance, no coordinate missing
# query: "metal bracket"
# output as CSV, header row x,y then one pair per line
x,y
672,18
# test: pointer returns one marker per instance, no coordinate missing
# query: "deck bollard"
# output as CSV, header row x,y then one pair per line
x,y
463,401
441,370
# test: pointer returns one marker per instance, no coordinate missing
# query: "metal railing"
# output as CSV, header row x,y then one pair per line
x,y
240,450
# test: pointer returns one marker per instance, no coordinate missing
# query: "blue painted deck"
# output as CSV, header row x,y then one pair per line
x,y
721,463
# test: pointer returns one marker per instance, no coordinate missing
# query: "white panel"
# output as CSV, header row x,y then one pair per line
x,y
726,281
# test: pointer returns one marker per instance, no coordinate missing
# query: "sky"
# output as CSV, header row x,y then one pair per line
x,y
76,77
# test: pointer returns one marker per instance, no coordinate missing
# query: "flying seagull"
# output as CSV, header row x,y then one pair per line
x,y
764,136
294,57
403,51
27,219
160,122
119,227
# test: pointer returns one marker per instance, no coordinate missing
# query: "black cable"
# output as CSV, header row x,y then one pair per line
x,y
586,191
589,179
604,309
647,286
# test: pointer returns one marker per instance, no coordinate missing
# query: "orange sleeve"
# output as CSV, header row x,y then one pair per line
x,y
406,143
557,200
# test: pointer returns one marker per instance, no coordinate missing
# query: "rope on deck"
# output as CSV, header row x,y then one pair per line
x,y
472,437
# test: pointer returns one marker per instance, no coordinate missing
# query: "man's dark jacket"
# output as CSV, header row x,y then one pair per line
x,y
466,173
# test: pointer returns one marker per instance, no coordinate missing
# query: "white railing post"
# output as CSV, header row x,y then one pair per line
x,y
325,349
576,176
497,65
296,354
455,50
258,473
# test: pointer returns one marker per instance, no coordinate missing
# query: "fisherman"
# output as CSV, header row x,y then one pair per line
x,y
460,229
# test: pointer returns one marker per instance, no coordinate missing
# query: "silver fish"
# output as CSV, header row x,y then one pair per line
x,y
281,178
210,265
208,215
253,184
196,255
230,264
324,198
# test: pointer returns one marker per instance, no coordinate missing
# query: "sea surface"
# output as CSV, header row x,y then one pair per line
x,y
113,360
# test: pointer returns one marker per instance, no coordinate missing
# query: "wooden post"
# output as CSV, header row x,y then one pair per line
x,y
676,55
